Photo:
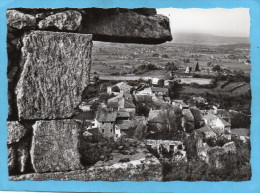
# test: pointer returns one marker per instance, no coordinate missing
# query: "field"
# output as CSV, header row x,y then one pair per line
x,y
111,58
200,81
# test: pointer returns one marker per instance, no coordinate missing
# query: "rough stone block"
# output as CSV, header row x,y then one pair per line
x,y
16,131
55,71
55,146
149,169
19,20
126,25
68,20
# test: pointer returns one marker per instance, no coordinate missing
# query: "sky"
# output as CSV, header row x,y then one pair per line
x,y
218,21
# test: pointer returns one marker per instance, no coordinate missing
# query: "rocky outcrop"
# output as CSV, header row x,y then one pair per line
x,y
122,25
146,171
134,165
141,25
55,72
19,20
55,146
68,20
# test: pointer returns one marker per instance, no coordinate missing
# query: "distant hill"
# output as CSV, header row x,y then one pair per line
x,y
207,39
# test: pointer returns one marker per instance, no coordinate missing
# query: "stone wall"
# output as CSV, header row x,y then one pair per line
x,y
49,62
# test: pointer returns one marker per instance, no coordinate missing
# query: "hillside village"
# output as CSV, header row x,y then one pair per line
x,y
144,111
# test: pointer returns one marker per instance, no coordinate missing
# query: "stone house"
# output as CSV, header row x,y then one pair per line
x,y
120,87
122,102
125,128
218,124
105,122
176,147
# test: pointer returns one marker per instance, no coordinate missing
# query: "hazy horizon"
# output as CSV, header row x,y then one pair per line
x,y
217,21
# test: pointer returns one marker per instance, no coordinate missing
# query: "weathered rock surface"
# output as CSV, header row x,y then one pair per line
x,y
16,131
23,156
145,169
55,71
19,20
18,157
11,159
141,25
125,25
68,20
55,146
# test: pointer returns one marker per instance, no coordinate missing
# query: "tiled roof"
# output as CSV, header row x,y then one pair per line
x,y
113,105
144,98
210,117
123,114
129,103
188,115
156,116
126,124
105,116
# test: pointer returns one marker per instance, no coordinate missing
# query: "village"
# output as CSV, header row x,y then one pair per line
x,y
147,111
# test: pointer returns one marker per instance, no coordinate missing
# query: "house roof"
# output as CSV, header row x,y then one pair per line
x,y
113,105
188,115
129,103
210,116
126,124
144,98
106,116
197,114
159,89
123,114
155,116
207,132
124,86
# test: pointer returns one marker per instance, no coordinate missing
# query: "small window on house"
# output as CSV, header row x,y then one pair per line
x,y
103,130
180,147
171,146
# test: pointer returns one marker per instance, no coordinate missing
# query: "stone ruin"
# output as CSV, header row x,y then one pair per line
x,y
49,62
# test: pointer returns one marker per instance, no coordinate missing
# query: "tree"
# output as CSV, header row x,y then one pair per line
x,y
197,67
96,79
165,56
216,68
140,131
